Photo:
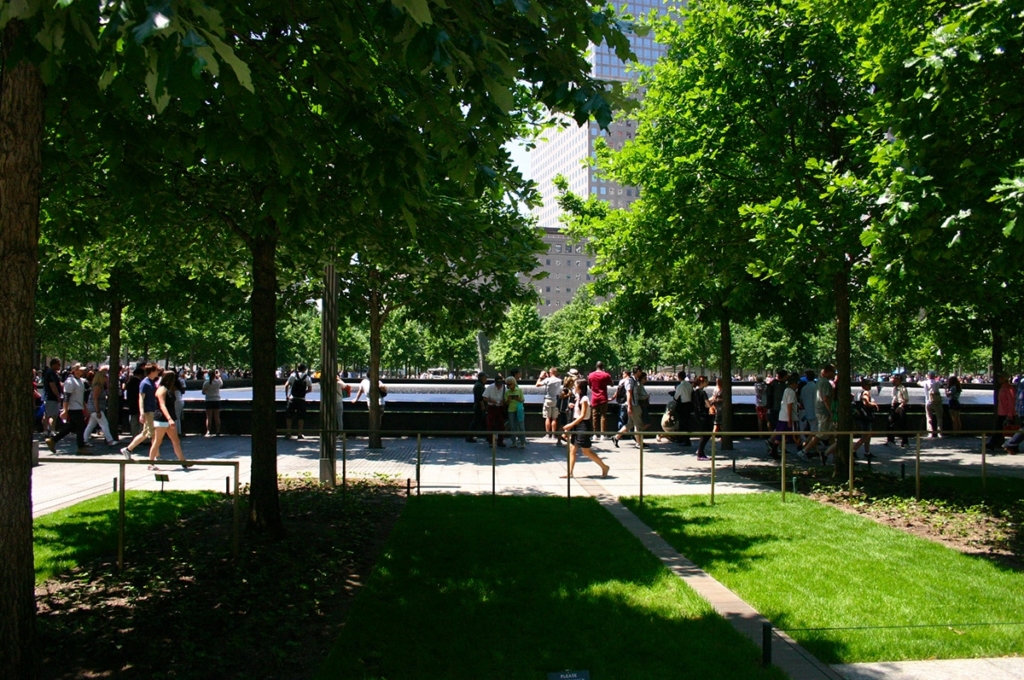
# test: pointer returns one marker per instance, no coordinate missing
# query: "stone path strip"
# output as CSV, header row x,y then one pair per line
x,y
797,662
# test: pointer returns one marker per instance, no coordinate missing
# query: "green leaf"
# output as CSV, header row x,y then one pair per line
x,y
229,57
1010,226
419,10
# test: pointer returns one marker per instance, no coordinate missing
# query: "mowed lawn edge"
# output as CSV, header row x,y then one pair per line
x,y
70,537
803,564
524,587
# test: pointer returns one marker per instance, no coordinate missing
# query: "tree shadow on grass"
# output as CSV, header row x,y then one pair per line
x,y
183,608
89,530
524,587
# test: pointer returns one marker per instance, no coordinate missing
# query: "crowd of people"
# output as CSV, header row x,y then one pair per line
x,y
75,401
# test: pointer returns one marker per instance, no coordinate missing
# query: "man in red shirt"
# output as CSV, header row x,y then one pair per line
x,y
599,381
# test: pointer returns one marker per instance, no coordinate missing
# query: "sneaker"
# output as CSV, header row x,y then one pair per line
x,y
85,445
52,445
208,434
126,452
702,457
152,467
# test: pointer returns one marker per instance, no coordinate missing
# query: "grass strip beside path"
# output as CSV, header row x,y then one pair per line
x,y
68,538
806,565
524,587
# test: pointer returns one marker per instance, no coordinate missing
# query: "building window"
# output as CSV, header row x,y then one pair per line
x,y
558,248
547,289
547,262
588,264
604,190
568,290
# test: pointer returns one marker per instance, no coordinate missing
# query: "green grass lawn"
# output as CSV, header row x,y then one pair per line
x,y
523,588
73,536
806,565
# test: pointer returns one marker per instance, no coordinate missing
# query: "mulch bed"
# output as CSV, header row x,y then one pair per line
x,y
183,608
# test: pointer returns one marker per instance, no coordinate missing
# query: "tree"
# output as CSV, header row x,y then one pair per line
x,y
460,262
38,39
575,333
948,112
520,341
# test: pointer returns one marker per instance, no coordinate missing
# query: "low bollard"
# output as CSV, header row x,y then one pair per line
x,y
766,644
408,487
115,484
227,486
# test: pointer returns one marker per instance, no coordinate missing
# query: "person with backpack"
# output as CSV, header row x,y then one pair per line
x,y
296,388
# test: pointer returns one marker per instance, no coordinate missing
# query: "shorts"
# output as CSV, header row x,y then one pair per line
x,y
296,408
600,410
212,404
147,424
825,424
52,407
160,423
550,410
954,404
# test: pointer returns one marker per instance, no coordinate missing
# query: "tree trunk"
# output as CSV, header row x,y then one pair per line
x,y
264,504
725,360
114,375
997,365
21,134
373,374
841,395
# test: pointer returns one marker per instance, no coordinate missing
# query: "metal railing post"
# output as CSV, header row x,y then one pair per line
x,y
783,468
984,469
851,462
120,520
713,470
344,465
641,470
917,468
766,644
568,470
234,509
419,454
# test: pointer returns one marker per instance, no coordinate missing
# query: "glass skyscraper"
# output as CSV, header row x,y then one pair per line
x,y
564,152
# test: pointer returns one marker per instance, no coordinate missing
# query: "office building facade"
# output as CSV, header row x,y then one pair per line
x,y
565,152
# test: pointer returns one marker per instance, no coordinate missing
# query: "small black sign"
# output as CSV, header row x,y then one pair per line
x,y
569,675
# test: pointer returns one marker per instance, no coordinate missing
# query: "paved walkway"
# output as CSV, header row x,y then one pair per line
x,y
450,465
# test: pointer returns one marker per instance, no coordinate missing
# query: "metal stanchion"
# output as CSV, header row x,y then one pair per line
x,y
568,470
766,644
984,471
120,521
115,484
713,456
783,468
344,465
419,454
227,486
641,470
917,468
234,509
851,462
